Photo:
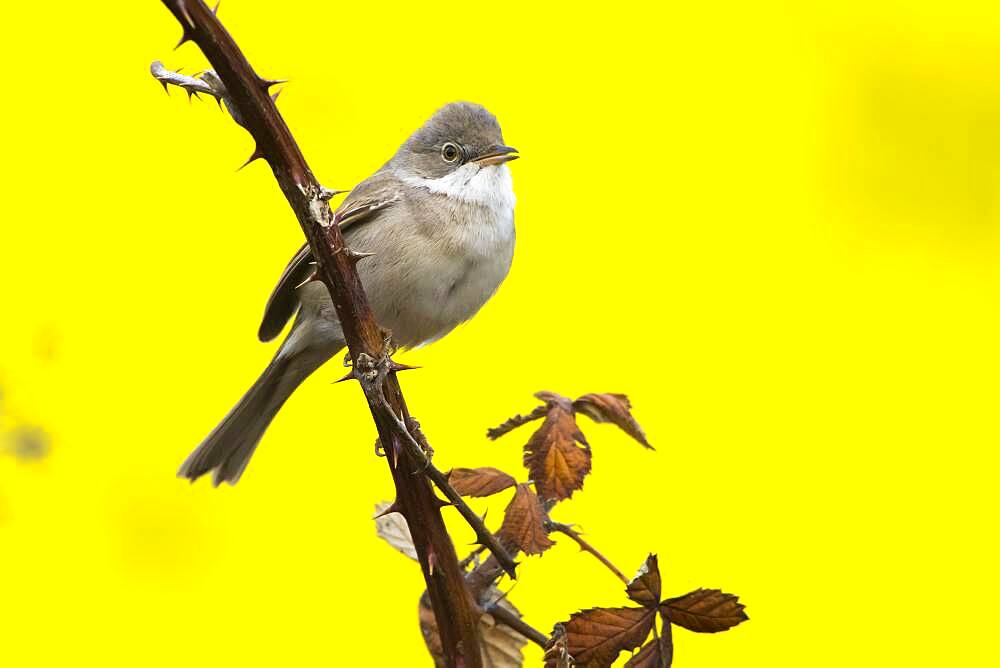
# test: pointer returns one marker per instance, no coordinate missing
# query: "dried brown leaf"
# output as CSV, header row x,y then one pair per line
x,y
555,399
392,528
523,522
705,611
557,455
596,636
657,653
644,588
500,645
482,481
614,408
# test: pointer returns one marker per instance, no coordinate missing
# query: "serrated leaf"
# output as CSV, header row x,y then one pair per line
x,y
393,529
557,455
614,408
524,522
644,588
482,481
657,653
704,611
596,636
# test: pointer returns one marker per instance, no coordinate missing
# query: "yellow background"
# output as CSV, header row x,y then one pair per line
x,y
777,228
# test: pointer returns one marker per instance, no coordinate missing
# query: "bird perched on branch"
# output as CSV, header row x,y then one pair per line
x,y
438,219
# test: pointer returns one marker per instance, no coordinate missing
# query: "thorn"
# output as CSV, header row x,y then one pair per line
x,y
396,366
394,507
191,94
274,95
186,37
312,277
256,155
355,257
267,83
350,376
165,88
215,10
325,194
441,503
184,14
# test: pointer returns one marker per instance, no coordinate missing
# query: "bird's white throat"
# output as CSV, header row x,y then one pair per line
x,y
488,186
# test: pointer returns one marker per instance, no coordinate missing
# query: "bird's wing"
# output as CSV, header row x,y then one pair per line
x,y
360,206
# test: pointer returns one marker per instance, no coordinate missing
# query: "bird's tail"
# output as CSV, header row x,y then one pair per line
x,y
227,450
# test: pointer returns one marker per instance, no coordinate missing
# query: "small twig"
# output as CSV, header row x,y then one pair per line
x,y
585,546
508,618
513,423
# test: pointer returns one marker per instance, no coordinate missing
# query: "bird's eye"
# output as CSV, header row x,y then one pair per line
x,y
450,152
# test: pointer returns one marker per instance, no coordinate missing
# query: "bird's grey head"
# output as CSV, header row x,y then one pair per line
x,y
457,135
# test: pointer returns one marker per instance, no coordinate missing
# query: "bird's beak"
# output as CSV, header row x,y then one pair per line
x,y
496,155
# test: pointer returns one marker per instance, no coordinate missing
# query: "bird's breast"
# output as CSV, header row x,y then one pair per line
x,y
466,249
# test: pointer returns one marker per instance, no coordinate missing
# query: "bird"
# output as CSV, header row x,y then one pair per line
x,y
438,221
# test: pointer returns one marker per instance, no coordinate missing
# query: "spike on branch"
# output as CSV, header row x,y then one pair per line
x,y
257,155
314,276
431,559
186,37
353,255
182,9
396,366
267,83
215,10
349,376
393,507
325,194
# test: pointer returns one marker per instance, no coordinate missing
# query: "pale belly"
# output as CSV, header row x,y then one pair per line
x,y
431,295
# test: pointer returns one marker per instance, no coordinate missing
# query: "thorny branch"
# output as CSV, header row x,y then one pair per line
x,y
251,104
371,374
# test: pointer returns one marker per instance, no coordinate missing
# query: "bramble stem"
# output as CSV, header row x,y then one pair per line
x,y
586,547
251,104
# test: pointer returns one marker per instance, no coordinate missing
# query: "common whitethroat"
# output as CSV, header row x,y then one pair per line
x,y
438,219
